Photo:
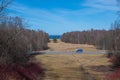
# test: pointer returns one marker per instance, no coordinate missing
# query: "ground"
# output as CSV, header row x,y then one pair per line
x,y
61,46
68,66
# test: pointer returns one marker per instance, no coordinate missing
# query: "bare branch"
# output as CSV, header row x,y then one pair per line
x,y
4,4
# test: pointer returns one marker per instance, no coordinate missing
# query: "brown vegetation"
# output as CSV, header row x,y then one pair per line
x,y
62,46
16,43
66,66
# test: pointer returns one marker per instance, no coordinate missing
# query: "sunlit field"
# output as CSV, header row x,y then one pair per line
x,y
68,66
61,46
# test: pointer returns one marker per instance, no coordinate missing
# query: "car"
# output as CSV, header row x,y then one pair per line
x,y
79,51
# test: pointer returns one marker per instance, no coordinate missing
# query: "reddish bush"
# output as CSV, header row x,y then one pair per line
x,y
30,71
114,75
7,72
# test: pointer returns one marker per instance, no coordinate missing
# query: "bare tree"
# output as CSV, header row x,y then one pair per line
x,y
94,37
3,5
15,42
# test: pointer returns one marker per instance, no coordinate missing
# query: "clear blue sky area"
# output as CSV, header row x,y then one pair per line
x,y
58,16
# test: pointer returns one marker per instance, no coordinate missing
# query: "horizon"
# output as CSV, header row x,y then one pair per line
x,y
58,17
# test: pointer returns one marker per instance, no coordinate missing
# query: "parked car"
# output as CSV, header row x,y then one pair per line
x,y
79,51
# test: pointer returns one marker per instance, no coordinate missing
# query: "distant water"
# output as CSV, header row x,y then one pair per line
x,y
54,36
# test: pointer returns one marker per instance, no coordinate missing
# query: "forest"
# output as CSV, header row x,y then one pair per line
x,y
102,39
16,44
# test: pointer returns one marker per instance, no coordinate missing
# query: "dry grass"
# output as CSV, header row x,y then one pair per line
x,y
61,46
67,67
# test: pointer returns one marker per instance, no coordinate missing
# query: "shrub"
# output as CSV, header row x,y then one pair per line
x,y
109,54
114,75
54,40
30,71
115,60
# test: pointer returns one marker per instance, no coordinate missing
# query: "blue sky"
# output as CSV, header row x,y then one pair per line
x,y
59,16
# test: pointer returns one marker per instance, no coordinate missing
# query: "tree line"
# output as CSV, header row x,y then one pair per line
x,y
102,39
16,44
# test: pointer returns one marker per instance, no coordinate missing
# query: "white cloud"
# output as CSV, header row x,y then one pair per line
x,y
102,4
90,7
38,17
60,18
